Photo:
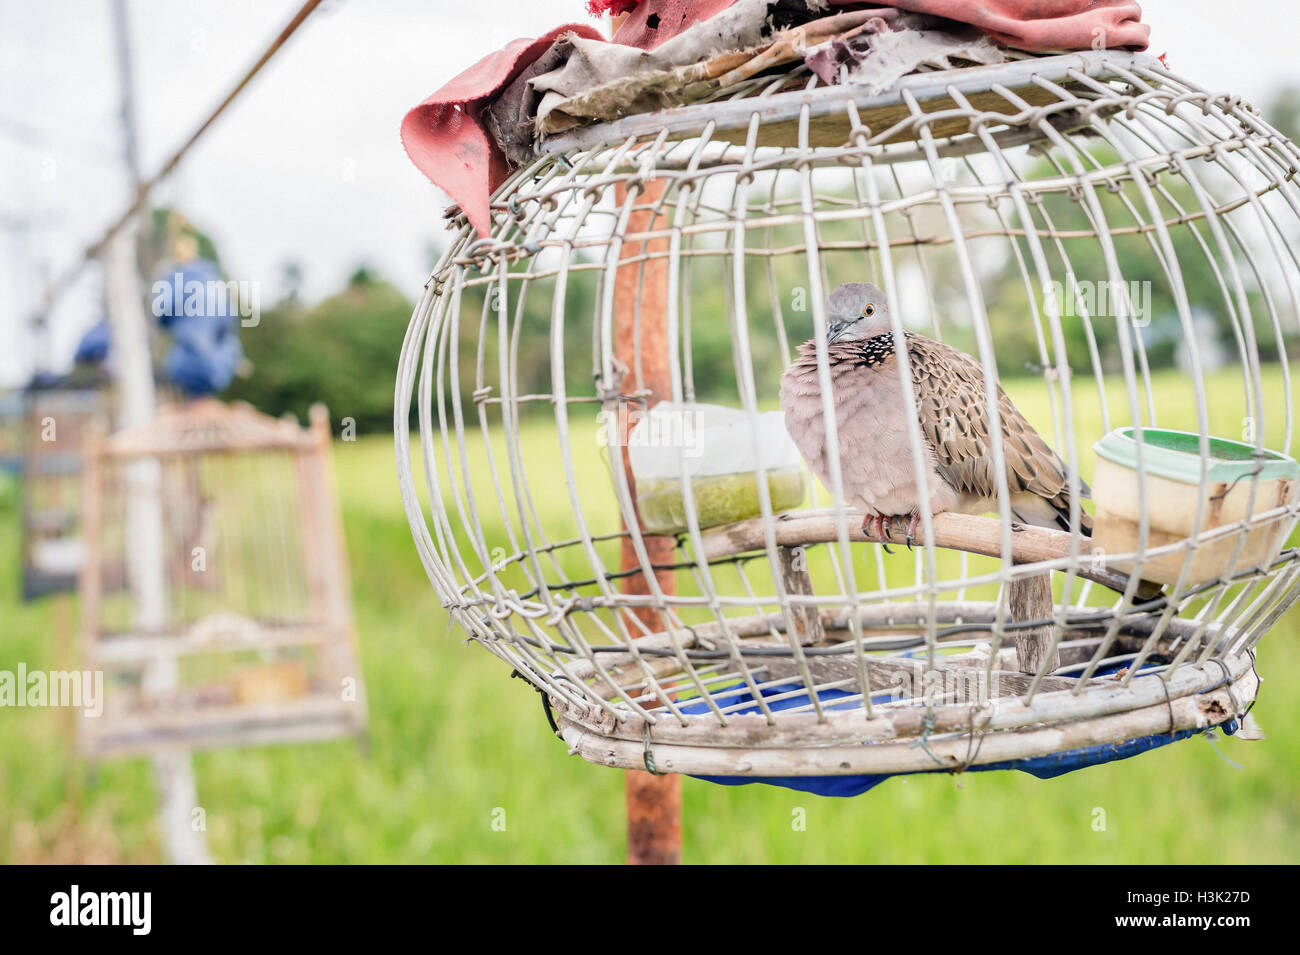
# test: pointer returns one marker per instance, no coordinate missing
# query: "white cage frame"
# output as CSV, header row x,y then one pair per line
x,y
620,687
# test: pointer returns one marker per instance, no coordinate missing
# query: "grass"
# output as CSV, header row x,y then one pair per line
x,y
453,743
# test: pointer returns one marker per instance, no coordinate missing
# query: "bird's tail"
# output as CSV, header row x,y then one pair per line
x,y
1051,512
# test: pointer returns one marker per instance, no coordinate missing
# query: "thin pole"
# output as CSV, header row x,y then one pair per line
x,y
654,803
126,78
133,382
142,189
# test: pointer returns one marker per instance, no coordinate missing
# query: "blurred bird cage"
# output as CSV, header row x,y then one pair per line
x,y
165,392
55,424
683,255
11,432
235,623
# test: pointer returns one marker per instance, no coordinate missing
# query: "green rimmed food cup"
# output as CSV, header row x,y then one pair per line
x,y
1233,482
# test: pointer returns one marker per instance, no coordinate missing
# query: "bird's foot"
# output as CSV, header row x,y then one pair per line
x,y
877,526
911,529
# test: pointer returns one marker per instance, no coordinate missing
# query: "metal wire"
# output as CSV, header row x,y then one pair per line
x,y
1049,170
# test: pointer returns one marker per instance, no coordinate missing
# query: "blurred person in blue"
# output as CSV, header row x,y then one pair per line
x,y
200,310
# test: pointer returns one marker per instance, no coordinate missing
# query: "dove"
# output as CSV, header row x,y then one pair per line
x,y
876,464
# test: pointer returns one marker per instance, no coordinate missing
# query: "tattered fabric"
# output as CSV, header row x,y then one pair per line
x,y
469,135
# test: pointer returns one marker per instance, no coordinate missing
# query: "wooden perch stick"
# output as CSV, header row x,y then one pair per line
x,y
1030,598
794,573
976,535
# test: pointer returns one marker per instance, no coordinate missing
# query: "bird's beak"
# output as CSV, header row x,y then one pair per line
x,y
835,330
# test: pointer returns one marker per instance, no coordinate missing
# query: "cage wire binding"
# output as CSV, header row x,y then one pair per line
x,y
788,182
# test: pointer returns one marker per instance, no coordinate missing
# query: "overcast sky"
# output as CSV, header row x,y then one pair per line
x,y
307,166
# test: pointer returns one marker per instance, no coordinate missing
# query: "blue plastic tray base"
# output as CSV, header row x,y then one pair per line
x,y
1044,767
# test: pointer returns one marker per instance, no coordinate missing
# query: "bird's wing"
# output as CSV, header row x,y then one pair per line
x,y
954,418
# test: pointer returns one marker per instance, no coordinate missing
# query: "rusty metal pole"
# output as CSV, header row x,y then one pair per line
x,y
654,803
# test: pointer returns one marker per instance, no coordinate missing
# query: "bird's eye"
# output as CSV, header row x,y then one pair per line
x,y
869,311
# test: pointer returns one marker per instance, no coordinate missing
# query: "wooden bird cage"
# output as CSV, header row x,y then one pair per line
x,y
56,423
683,255
236,628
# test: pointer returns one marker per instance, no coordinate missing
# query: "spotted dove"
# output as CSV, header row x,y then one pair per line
x,y
876,463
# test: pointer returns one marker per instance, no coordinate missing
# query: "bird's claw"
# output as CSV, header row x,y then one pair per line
x,y
911,529
878,527
882,532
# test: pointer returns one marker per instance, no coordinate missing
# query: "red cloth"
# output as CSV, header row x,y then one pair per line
x,y
444,135
446,139
598,8
1043,26
1039,26
670,17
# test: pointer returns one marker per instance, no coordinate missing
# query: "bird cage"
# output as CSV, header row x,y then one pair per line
x,y
12,406
1071,223
215,596
55,425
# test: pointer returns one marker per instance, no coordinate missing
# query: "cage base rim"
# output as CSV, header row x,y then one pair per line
x,y
888,724
952,752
